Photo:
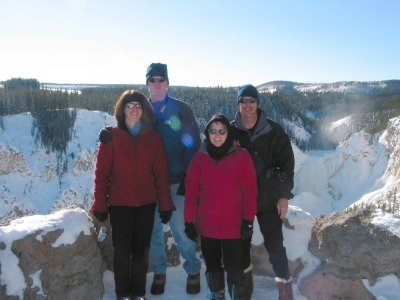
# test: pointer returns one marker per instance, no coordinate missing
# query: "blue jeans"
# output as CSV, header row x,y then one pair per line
x,y
187,248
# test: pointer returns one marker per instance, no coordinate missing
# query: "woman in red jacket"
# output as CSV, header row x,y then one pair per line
x,y
131,176
220,202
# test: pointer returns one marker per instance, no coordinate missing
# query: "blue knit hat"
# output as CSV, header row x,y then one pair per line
x,y
247,90
157,69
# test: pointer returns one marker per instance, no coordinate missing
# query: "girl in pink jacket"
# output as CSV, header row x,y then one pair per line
x,y
220,205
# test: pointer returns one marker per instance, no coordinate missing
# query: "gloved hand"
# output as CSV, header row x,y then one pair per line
x,y
101,216
105,135
165,216
246,230
191,231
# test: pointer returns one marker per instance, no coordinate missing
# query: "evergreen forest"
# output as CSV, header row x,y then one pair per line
x,y
54,108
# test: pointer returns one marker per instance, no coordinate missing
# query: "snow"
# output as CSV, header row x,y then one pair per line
x,y
387,221
386,288
73,222
325,181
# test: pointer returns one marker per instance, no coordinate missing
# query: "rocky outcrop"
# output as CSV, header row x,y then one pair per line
x,y
11,161
392,138
52,270
321,285
351,248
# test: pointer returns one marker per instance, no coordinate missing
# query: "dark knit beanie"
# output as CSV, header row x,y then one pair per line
x,y
248,90
156,69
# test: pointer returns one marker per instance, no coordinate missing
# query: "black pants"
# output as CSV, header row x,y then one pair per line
x,y
216,251
271,229
225,254
131,233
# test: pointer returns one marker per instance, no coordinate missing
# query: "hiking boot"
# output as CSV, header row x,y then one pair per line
x,y
193,284
220,295
158,285
285,288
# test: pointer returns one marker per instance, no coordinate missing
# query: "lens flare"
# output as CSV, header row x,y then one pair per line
x,y
187,140
175,123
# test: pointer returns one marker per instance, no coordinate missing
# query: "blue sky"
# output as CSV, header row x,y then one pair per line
x,y
204,43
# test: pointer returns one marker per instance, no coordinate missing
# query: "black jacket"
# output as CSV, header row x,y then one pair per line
x,y
273,158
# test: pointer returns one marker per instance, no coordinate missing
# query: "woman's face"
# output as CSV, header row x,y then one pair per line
x,y
133,112
217,133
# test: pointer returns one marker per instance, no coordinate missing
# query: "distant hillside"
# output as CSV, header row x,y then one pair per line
x,y
316,116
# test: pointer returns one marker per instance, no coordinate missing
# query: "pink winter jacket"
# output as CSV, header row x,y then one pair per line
x,y
220,194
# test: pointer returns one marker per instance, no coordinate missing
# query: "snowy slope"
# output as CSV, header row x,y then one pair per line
x,y
29,178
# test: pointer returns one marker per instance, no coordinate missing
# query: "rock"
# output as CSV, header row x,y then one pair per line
x,y
106,247
50,271
321,285
262,266
352,247
11,161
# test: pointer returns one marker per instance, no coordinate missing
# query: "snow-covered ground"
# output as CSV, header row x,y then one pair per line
x,y
75,221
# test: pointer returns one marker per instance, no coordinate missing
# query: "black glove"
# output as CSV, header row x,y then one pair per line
x,y
246,230
165,216
191,231
101,216
105,135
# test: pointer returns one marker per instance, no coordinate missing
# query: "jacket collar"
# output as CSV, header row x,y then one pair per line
x,y
262,125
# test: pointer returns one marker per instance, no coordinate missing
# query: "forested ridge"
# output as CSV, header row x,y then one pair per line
x,y
53,108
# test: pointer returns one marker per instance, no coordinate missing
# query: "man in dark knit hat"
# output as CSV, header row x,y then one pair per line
x,y
273,159
178,129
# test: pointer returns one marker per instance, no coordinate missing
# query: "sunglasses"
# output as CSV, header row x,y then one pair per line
x,y
157,80
214,131
247,101
131,105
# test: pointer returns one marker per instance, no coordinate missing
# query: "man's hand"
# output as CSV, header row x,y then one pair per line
x,y
165,216
105,135
282,207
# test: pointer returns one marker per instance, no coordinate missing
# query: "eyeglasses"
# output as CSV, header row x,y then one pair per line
x,y
214,131
131,105
157,80
247,101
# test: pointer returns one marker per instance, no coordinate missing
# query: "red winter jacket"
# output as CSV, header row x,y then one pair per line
x,y
220,194
132,172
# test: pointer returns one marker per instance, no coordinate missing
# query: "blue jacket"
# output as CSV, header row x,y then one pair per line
x,y
181,137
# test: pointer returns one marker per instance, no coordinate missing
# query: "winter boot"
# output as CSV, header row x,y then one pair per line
x,y
216,284
248,285
236,285
157,288
193,284
285,288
